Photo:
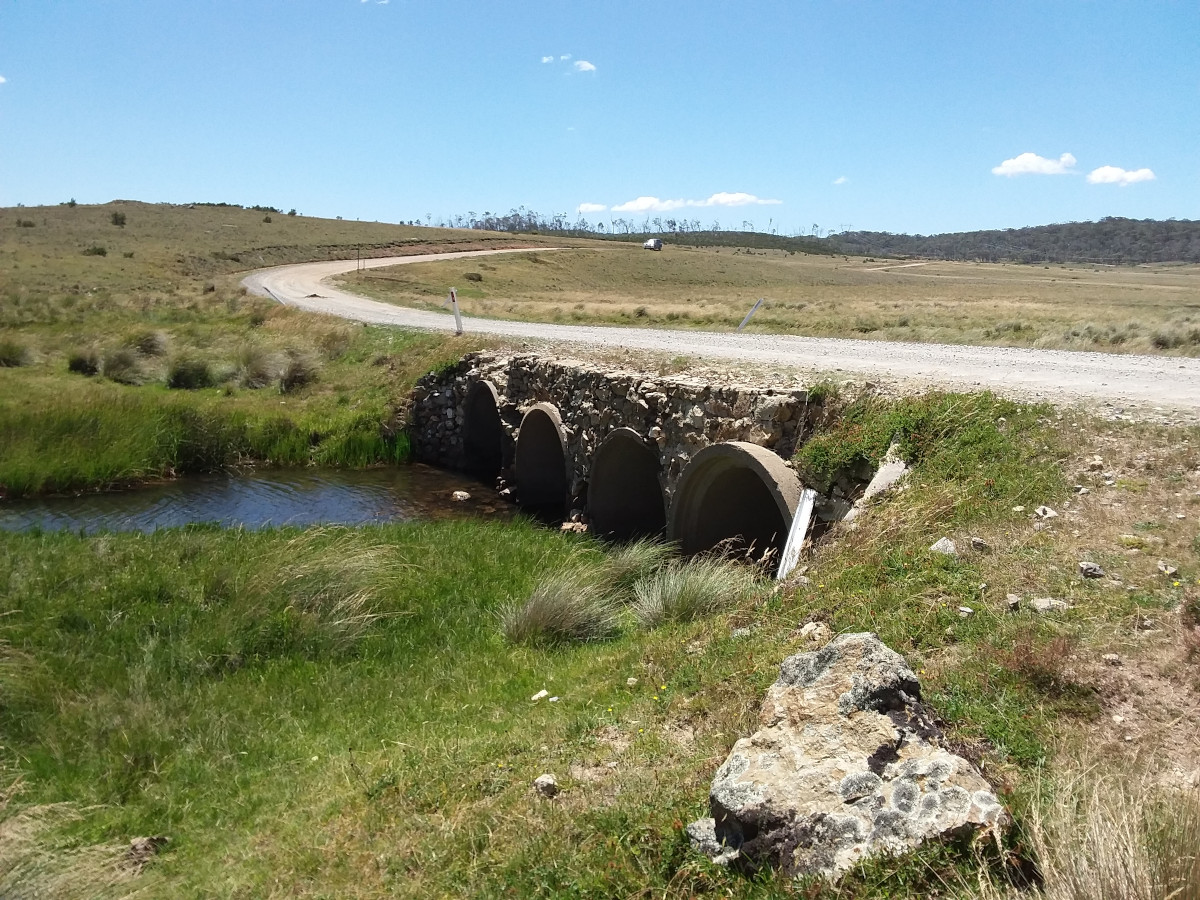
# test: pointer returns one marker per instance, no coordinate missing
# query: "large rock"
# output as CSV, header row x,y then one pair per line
x,y
846,764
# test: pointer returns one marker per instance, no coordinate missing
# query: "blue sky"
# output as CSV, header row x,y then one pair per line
x,y
892,116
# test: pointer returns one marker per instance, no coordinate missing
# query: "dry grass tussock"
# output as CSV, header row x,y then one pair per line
x,y
683,591
586,600
1113,835
565,606
35,862
332,581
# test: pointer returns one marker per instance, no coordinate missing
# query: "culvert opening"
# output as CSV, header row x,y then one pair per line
x,y
541,463
483,432
625,500
737,494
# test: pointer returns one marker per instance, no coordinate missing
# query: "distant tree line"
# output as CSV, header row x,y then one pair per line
x,y
1111,241
677,230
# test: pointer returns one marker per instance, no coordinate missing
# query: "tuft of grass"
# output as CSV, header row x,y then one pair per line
x,y
299,370
123,366
1100,835
628,563
84,362
150,343
684,591
567,606
189,373
14,353
257,366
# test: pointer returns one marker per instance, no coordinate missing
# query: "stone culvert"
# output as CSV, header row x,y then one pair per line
x,y
618,446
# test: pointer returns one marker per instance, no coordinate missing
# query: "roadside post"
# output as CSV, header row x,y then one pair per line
x,y
797,533
753,310
453,301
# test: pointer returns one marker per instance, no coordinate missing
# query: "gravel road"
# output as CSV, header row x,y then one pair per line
x,y
1166,384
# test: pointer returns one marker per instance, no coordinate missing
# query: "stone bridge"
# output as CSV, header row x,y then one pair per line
x,y
699,461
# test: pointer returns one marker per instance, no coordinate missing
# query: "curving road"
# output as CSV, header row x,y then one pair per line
x,y
1167,382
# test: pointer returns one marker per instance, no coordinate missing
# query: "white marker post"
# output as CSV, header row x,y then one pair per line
x,y
453,301
795,539
753,310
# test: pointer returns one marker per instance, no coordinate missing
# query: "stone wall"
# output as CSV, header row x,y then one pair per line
x,y
677,415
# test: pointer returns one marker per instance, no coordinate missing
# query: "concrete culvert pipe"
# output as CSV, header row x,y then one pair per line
x,y
625,500
483,433
541,461
735,492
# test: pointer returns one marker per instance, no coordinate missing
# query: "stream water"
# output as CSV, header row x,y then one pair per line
x,y
264,498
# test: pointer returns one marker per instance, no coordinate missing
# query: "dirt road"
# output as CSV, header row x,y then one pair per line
x,y
1168,383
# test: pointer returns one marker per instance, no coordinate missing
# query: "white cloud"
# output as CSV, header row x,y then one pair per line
x,y
590,208
565,57
1032,164
582,65
3,80
841,179
547,59
1117,175
649,204
721,198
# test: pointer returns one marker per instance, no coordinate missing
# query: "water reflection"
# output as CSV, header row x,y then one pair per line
x,y
265,498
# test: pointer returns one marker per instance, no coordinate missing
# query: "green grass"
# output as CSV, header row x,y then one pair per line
x,y
337,713
333,697
88,343
101,434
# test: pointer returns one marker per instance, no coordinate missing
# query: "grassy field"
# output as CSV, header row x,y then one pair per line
x,y
347,712
337,713
148,359
1143,309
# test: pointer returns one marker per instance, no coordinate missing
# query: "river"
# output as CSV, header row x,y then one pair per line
x,y
264,498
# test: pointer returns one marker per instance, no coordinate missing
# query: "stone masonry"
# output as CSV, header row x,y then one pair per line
x,y
677,415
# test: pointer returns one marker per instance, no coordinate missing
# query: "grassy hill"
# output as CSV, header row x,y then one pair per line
x,y
1111,241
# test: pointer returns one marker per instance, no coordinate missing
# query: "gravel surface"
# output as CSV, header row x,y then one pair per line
x,y
1166,388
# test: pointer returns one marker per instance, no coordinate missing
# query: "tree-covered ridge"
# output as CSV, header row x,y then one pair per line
x,y
1112,241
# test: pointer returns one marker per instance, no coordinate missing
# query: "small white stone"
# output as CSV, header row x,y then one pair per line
x,y
964,611
1111,659
1045,512
1049,604
546,785
630,682
460,496
540,695
944,546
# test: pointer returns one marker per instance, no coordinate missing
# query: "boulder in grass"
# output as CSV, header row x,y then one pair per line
x,y
847,764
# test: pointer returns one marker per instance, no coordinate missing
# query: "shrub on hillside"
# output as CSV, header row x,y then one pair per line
x,y
84,362
118,219
13,353
189,373
95,250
